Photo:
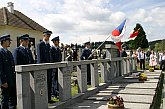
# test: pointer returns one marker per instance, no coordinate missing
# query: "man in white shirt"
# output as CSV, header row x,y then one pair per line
x,y
141,57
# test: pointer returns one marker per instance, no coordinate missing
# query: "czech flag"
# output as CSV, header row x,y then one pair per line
x,y
118,44
134,34
118,33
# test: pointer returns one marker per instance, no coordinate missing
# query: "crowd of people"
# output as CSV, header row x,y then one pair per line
x,y
23,55
149,57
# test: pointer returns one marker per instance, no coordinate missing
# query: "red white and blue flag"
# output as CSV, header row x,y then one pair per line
x,y
134,34
118,33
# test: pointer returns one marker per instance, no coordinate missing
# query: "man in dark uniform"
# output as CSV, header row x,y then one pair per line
x,y
55,56
87,55
22,54
7,75
123,53
43,56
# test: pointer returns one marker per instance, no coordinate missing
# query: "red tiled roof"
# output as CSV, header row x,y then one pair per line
x,y
17,19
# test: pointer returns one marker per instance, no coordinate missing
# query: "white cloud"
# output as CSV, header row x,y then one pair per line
x,y
81,20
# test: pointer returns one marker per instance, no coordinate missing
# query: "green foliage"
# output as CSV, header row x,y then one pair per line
x,y
157,47
140,40
160,46
152,43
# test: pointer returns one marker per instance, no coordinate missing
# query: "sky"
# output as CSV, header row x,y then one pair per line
x,y
79,21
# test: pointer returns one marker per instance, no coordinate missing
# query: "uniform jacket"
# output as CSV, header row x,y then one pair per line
x,y
7,67
43,52
23,56
55,54
85,54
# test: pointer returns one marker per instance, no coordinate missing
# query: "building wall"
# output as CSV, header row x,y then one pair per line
x,y
15,32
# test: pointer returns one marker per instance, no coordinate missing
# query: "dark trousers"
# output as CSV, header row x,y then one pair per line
x,y
88,75
55,84
49,82
9,97
162,63
142,64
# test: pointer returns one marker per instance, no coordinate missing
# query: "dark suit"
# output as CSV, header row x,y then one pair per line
x,y
23,56
55,56
85,56
43,56
123,53
7,75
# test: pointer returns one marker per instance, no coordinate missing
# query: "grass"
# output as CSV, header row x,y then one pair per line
x,y
74,90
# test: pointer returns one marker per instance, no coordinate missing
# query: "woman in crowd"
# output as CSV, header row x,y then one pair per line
x,y
153,57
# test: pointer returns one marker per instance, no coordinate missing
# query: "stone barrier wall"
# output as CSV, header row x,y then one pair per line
x,y
32,79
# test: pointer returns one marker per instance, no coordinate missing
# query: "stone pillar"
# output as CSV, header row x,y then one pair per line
x,y
108,71
125,66
82,78
128,65
113,70
103,66
118,69
134,64
64,79
111,51
94,74
39,94
23,90
121,69
131,65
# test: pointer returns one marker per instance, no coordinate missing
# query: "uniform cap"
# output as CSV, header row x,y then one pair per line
x,y
55,39
47,32
5,37
24,37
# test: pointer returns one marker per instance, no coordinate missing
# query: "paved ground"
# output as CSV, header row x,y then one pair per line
x,y
136,95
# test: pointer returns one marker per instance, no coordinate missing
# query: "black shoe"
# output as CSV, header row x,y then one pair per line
x,y
51,101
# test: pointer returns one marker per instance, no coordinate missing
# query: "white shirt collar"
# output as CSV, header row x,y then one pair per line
x,y
46,42
22,46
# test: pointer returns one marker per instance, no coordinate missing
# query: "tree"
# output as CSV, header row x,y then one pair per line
x,y
162,45
140,40
157,47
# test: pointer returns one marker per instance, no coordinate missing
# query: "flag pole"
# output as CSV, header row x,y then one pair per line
x,y
98,47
